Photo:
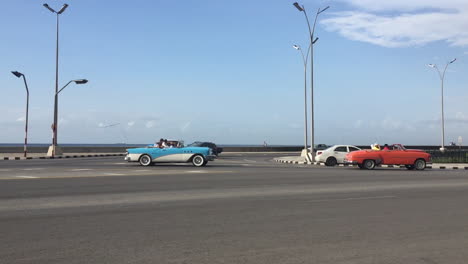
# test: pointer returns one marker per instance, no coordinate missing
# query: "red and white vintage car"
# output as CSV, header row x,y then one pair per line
x,y
395,155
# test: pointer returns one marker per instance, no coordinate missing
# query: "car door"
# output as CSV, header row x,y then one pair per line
x,y
340,153
168,155
392,156
155,153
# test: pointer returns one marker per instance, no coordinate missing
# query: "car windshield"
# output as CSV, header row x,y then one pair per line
x,y
398,147
194,144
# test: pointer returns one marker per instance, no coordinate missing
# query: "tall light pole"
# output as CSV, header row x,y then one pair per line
x,y
19,75
442,77
305,152
301,8
54,125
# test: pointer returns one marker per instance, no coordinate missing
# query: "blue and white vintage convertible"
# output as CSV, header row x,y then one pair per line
x,y
198,156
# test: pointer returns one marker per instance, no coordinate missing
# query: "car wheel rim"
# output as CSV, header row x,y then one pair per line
x,y
420,164
198,160
145,160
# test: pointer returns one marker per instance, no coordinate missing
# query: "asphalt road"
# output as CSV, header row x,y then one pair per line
x,y
239,209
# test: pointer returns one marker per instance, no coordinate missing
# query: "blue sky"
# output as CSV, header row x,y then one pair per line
x,y
225,71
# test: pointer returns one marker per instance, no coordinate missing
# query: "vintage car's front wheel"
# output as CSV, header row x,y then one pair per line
x,y
420,164
145,160
369,164
198,161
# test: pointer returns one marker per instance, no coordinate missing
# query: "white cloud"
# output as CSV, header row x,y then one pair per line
x,y
390,124
101,125
402,23
358,124
461,116
185,126
21,119
295,125
63,121
131,123
150,124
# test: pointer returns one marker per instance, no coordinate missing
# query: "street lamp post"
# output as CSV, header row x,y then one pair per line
x,y
54,126
19,75
305,152
301,8
442,77
52,151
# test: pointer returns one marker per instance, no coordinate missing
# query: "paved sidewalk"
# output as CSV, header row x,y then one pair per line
x,y
302,160
20,156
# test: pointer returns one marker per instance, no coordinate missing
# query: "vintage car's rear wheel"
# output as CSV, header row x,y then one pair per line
x,y
331,161
369,164
420,164
198,161
145,160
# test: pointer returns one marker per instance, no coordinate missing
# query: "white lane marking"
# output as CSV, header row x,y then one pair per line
x,y
33,169
254,161
354,198
27,177
142,170
5,169
81,169
246,165
195,171
113,174
120,163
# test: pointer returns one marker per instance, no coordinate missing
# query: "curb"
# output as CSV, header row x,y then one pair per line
x,y
62,157
432,166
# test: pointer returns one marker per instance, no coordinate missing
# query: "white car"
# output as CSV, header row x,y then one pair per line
x,y
334,155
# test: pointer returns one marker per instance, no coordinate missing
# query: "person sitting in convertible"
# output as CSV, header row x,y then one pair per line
x,y
375,146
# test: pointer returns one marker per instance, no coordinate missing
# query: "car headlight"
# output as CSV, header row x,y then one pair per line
x,y
210,151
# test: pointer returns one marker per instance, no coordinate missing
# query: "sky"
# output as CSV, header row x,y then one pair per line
x,y
226,72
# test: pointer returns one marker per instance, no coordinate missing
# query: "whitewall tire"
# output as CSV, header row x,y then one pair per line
x,y
145,160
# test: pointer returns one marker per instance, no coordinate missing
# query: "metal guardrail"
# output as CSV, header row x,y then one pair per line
x,y
449,156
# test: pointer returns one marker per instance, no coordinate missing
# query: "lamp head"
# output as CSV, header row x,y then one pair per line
x,y
80,81
452,61
320,11
300,8
297,47
431,65
17,74
48,7
62,9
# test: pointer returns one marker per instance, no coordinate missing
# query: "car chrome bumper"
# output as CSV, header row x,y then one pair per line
x,y
350,162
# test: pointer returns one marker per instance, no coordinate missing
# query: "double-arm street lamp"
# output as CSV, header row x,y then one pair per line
x,y
19,75
305,58
442,77
301,8
53,149
54,125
